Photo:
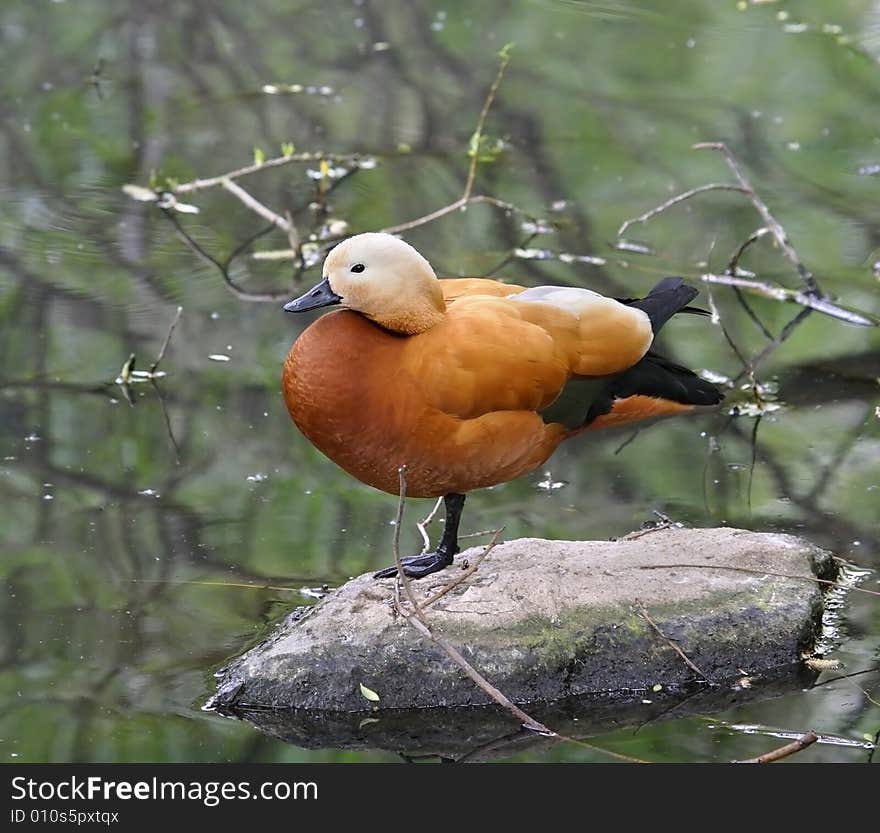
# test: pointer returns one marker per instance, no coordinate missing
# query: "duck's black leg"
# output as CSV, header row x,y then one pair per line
x,y
418,566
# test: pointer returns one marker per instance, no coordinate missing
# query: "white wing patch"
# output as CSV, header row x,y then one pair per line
x,y
569,298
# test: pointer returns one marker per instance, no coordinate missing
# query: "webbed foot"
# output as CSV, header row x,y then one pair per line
x,y
418,566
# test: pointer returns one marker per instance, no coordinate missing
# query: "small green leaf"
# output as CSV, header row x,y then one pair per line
x,y
127,369
369,694
504,52
286,149
474,143
259,156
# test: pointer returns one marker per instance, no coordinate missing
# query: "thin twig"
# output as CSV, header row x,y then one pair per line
x,y
395,541
751,313
716,316
733,263
467,197
255,205
671,643
243,294
461,202
804,299
167,418
423,523
164,347
805,740
686,195
278,161
477,137
417,619
761,207
478,559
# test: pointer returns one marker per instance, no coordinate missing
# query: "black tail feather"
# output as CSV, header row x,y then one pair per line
x,y
668,297
658,377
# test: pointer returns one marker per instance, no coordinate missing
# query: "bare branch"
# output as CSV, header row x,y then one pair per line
x,y
255,205
278,161
805,740
460,203
423,523
164,347
243,294
769,220
477,137
787,330
464,573
805,299
733,263
686,195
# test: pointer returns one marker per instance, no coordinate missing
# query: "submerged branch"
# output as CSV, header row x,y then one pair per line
x,y
805,740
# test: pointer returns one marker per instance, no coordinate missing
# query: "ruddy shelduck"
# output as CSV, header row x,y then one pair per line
x,y
469,382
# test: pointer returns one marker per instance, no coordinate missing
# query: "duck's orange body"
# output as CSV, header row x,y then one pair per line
x,y
458,404
454,378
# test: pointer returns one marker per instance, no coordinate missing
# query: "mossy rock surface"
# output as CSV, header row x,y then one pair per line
x,y
546,620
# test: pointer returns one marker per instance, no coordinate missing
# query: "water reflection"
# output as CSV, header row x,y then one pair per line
x,y
134,562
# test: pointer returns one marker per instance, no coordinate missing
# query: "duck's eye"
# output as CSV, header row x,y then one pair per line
x,y
358,267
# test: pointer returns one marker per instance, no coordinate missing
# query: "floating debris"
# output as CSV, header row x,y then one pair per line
x,y
754,409
563,257
566,257
628,246
259,477
548,484
714,377
296,89
314,592
534,254
219,357
536,227
149,493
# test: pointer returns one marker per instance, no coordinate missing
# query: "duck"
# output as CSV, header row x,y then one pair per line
x,y
469,382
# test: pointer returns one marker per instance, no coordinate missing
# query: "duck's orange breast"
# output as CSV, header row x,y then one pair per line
x,y
373,401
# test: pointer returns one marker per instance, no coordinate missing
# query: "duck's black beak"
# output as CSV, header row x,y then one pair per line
x,y
318,296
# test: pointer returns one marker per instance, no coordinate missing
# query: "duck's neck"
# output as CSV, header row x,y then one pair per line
x,y
414,313
410,321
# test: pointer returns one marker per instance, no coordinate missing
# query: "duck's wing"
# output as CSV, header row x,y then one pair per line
x,y
516,353
454,288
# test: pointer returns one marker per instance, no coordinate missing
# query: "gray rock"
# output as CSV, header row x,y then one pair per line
x,y
547,620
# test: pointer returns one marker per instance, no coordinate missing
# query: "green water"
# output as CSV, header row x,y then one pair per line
x,y
146,541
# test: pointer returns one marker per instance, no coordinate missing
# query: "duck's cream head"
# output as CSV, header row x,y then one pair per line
x,y
381,277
